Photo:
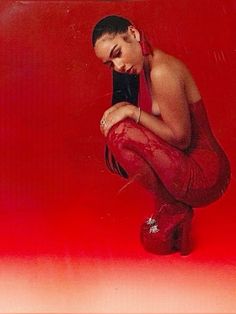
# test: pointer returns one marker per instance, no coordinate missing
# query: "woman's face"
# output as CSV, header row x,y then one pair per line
x,y
121,52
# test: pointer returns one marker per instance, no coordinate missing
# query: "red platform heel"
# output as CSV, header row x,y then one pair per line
x,y
184,241
169,230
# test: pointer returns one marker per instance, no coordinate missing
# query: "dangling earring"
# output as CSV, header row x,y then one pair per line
x,y
145,46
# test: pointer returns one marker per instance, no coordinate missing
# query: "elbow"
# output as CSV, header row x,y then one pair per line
x,y
182,141
183,146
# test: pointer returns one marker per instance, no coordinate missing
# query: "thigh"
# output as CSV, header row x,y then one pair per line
x,y
181,174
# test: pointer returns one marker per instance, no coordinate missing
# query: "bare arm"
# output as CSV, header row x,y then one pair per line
x,y
168,89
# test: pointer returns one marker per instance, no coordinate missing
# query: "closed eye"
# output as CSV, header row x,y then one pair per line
x,y
117,53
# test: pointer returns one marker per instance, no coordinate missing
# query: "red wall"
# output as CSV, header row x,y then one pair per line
x,y
55,191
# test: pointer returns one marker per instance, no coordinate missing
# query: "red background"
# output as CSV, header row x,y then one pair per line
x,y
56,195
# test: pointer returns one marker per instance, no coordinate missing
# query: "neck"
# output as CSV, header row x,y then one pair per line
x,y
147,64
147,69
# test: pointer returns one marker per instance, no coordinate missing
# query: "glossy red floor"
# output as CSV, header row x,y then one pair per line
x,y
69,230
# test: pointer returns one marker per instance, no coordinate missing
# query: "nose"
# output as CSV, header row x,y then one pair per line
x,y
119,65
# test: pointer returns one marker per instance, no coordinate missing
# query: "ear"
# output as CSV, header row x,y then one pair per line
x,y
134,32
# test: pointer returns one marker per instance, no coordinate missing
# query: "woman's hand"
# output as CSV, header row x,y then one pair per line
x,y
114,107
115,114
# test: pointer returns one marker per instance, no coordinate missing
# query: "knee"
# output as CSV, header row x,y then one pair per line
x,y
119,133
127,133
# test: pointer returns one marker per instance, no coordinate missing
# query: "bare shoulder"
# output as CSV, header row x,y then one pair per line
x,y
164,64
166,69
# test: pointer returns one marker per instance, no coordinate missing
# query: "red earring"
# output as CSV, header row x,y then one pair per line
x,y
145,46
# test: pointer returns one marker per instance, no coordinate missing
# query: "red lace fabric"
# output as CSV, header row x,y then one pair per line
x,y
196,176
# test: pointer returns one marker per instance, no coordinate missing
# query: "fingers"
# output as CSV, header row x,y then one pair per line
x,y
113,108
112,116
106,121
105,126
109,111
106,114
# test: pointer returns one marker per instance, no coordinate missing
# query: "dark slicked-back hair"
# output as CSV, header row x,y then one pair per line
x,y
125,86
111,24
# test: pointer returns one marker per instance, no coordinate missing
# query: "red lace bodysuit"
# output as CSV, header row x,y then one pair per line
x,y
179,180
197,176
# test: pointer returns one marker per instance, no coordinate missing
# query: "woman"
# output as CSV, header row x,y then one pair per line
x,y
165,142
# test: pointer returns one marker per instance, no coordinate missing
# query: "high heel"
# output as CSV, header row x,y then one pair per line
x,y
184,243
169,230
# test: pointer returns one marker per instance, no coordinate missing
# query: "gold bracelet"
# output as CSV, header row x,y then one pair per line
x,y
139,115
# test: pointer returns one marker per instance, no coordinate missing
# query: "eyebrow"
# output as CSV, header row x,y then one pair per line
x,y
110,55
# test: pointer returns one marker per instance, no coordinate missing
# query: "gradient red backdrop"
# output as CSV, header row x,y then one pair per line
x,y
56,195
